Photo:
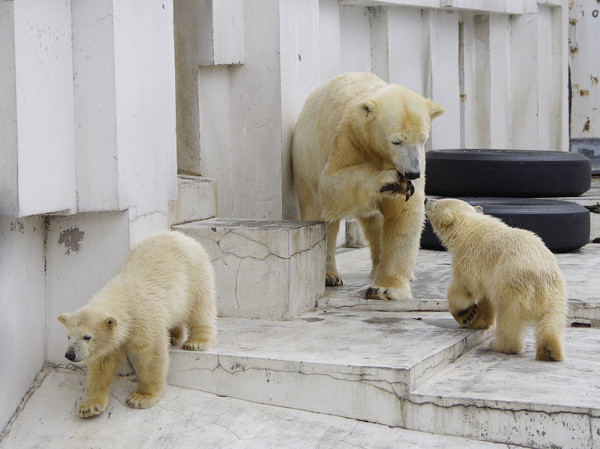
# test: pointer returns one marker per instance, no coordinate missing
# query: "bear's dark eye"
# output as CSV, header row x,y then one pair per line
x,y
87,337
396,141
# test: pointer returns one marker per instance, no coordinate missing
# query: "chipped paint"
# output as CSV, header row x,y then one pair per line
x,y
586,126
71,239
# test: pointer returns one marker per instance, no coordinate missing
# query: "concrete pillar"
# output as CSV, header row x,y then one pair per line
x,y
37,168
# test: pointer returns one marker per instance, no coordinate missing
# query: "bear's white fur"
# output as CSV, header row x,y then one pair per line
x,y
504,273
165,288
358,150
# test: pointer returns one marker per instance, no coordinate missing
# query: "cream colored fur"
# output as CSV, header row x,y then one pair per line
x,y
354,136
165,288
504,273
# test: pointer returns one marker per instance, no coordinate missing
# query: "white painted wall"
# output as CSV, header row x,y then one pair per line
x,y
88,101
82,253
22,309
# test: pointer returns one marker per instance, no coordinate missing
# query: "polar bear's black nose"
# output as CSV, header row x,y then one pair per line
x,y
70,355
412,175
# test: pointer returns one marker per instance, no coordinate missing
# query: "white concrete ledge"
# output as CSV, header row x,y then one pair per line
x,y
196,200
497,6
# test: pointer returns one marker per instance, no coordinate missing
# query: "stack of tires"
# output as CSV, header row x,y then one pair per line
x,y
514,186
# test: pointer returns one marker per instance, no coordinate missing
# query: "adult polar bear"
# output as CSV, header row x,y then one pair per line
x,y
358,150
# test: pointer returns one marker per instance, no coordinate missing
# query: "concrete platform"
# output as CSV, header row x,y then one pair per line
x,y
581,270
265,269
405,364
188,419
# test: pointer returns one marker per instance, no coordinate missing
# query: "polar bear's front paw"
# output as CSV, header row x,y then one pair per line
x,y
91,408
387,294
142,400
400,186
197,345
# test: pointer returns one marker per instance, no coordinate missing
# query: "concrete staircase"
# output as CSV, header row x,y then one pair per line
x,y
298,365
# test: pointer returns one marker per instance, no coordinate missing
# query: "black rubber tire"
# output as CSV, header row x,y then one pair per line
x,y
563,225
507,173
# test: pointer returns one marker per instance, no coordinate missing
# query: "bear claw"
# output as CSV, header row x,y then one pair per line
x,y
400,186
141,400
196,346
333,280
386,294
87,411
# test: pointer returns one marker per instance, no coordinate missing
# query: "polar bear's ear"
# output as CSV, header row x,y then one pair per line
x,y
479,209
110,322
364,108
435,110
64,318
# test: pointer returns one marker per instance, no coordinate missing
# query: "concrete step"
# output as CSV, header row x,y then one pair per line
x,y
414,370
359,365
188,419
516,400
196,200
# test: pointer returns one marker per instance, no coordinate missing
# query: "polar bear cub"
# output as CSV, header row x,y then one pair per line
x,y
504,273
165,288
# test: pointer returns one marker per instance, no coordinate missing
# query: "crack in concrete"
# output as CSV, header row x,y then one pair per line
x,y
218,241
394,388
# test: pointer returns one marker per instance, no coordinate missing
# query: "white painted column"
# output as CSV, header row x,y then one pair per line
x,y
95,106
300,74
406,51
548,97
330,45
481,47
355,32
380,41
468,80
524,79
442,84
500,87
256,117
37,171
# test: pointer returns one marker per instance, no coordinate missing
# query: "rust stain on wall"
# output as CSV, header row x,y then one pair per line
x,y
586,126
71,239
